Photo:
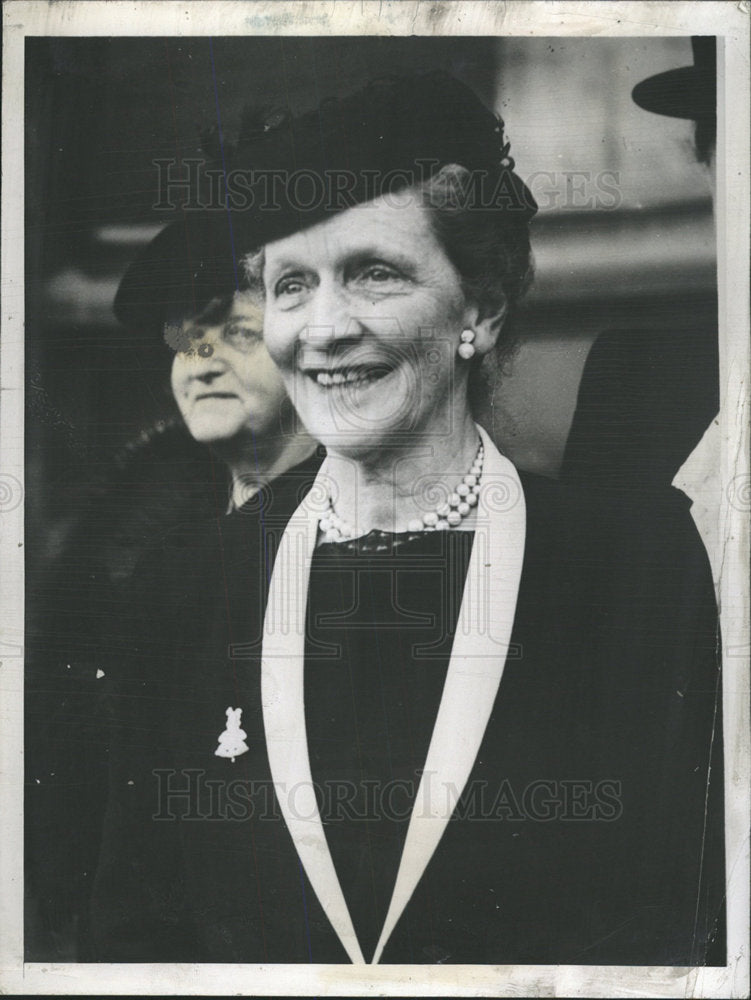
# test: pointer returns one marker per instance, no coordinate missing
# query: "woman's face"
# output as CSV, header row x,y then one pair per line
x,y
226,385
363,317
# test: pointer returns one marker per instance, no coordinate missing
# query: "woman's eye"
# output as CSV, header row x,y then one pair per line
x,y
242,335
379,274
289,287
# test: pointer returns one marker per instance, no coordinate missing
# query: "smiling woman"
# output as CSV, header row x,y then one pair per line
x,y
479,709
361,315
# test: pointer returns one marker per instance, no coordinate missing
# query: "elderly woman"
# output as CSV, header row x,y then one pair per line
x,y
185,285
464,715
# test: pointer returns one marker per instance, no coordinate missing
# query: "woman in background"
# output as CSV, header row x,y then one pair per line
x,y
237,433
185,287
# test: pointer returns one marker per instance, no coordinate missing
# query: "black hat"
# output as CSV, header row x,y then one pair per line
x,y
688,92
395,132
186,265
289,173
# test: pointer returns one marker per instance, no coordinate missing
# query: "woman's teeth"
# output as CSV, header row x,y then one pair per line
x,y
355,376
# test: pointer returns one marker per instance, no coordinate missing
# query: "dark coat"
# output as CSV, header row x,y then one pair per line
x,y
73,636
591,833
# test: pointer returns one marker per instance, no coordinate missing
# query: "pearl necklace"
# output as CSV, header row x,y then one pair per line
x,y
448,515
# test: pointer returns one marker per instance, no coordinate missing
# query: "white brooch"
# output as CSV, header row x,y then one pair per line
x,y
232,740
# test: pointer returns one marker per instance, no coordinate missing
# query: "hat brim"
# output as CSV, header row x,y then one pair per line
x,y
678,93
186,265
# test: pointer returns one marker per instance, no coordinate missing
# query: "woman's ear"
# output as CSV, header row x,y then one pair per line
x,y
487,324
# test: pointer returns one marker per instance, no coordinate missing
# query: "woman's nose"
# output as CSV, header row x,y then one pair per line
x,y
207,360
330,318
209,370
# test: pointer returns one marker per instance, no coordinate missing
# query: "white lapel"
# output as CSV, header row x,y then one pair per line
x,y
282,699
478,657
477,660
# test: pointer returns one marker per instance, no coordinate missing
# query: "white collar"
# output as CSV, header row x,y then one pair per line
x,y
478,656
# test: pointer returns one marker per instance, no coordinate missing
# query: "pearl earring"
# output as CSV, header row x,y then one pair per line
x,y
466,348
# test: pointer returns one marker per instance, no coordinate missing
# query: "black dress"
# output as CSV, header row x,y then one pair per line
x,y
378,642
589,832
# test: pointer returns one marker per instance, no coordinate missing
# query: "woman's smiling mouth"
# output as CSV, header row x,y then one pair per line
x,y
352,376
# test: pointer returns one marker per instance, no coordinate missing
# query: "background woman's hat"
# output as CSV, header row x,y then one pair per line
x,y
687,92
187,264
